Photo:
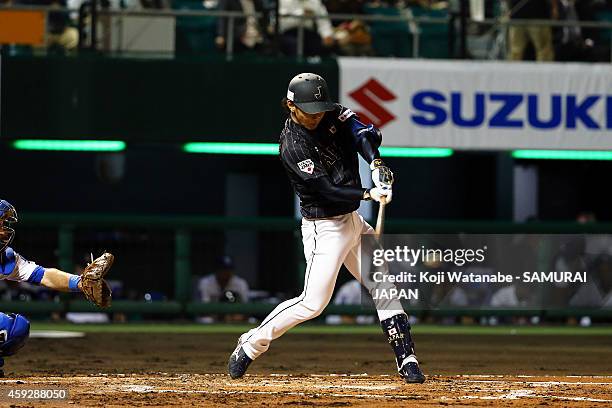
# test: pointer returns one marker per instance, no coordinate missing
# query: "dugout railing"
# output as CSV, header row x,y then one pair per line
x,y
183,227
172,309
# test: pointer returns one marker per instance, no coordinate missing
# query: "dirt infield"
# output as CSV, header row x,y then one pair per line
x,y
123,369
322,390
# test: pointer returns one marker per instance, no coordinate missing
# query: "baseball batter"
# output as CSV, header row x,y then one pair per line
x,y
319,149
15,328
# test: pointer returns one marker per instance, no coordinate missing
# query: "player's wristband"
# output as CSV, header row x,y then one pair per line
x,y
73,283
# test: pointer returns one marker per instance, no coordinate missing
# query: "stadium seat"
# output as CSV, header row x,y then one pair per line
x,y
194,35
389,39
605,16
394,39
434,37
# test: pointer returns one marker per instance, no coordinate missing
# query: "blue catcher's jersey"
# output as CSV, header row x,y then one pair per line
x,y
14,331
15,267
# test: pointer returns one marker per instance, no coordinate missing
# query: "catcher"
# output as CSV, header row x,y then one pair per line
x,y
14,329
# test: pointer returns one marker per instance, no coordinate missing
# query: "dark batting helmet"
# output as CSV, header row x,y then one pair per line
x,y
8,216
309,92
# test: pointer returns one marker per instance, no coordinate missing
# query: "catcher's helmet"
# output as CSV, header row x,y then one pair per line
x,y
309,92
14,331
8,216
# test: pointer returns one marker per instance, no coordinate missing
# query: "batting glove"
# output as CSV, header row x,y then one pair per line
x,y
377,193
382,176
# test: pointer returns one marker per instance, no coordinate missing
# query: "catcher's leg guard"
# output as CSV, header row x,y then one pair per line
x,y
397,330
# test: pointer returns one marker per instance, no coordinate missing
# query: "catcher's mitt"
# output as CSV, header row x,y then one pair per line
x,y
93,285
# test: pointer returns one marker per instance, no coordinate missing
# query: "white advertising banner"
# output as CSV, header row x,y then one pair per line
x,y
482,105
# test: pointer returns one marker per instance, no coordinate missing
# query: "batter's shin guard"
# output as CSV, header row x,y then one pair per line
x,y
397,330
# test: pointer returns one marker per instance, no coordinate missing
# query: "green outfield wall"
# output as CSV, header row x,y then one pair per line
x,y
149,100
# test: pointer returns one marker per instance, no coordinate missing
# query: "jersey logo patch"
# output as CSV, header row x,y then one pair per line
x,y
307,166
345,115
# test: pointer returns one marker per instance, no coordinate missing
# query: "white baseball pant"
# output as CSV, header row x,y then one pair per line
x,y
328,243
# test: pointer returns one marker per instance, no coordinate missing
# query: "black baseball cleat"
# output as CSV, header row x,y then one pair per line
x,y
411,372
238,363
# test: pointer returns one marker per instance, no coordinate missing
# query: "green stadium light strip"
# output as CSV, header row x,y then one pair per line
x,y
272,149
232,148
563,154
415,152
70,145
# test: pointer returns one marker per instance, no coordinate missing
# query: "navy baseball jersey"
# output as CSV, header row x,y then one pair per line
x,y
327,151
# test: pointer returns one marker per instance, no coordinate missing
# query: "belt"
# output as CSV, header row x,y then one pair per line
x,y
335,217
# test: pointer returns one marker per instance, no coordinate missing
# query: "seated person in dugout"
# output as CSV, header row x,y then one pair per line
x,y
223,285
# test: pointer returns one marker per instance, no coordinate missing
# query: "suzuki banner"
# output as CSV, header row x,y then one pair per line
x,y
482,105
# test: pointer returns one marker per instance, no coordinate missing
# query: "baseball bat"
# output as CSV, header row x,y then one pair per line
x,y
380,221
